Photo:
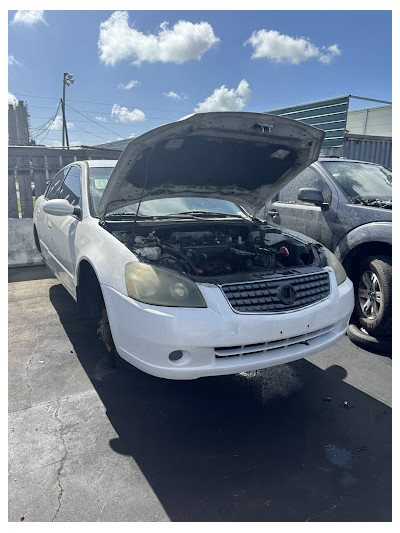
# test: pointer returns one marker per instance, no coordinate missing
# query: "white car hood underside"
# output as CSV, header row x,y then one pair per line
x,y
238,156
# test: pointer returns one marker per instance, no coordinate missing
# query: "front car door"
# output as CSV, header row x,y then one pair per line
x,y
314,221
44,221
64,228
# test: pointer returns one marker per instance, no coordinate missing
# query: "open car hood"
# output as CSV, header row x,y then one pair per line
x,y
238,156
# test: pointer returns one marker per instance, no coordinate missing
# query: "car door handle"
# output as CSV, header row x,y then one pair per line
x,y
49,224
273,213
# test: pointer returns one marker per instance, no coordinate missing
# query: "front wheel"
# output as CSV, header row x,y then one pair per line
x,y
373,295
104,333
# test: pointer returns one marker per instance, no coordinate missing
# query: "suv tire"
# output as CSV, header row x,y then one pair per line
x,y
373,295
381,345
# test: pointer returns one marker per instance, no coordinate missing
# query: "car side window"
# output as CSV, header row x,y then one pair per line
x,y
308,178
54,187
71,187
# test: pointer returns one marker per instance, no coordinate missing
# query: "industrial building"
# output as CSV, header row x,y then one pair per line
x,y
363,134
18,124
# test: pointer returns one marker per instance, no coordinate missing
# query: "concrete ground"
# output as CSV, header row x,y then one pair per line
x,y
307,441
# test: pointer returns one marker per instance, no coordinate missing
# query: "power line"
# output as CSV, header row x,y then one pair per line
x,y
105,103
48,131
90,133
102,122
42,129
97,123
48,125
107,114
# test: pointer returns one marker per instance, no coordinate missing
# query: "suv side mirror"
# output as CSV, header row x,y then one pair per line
x,y
312,196
61,207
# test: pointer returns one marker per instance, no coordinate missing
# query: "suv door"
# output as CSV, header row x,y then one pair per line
x,y
312,220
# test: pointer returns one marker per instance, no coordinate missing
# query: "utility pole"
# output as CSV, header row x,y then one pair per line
x,y
68,79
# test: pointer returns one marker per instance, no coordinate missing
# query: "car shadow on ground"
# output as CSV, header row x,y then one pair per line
x,y
290,443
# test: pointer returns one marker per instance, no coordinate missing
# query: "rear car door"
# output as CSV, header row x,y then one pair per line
x,y
312,220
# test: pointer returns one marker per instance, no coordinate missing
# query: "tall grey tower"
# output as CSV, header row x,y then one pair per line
x,y
18,126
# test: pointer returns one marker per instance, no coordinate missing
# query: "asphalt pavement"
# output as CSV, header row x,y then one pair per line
x,y
306,441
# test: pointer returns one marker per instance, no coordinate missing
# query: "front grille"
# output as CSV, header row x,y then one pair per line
x,y
261,348
276,295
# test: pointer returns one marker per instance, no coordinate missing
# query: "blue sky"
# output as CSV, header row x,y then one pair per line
x,y
135,70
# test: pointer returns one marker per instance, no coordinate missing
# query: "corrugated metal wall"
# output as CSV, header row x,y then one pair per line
x,y
364,148
327,115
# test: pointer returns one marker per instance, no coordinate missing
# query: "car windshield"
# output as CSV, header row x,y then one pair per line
x,y
98,179
99,176
362,181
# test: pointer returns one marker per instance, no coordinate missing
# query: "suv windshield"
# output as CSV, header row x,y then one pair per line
x,y
361,181
99,176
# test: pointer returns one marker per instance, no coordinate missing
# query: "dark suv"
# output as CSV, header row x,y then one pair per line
x,y
347,206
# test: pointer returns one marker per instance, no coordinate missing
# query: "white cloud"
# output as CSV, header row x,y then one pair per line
x,y
124,115
285,49
29,17
184,42
223,99
12,60
12,99
58,123
327,54
101,119
129,85
176,96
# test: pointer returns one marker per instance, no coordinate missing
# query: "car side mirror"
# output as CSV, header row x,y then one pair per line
x,y
312,196
61,207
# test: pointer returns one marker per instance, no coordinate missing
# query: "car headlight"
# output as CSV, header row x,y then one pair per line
x,y
333,262
158,286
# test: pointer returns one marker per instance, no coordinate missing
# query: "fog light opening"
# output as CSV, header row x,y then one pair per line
x,y
176,355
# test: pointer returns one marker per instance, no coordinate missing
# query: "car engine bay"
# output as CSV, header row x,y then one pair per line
x,y
215,249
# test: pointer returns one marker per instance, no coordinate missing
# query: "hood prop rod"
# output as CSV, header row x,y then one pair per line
x,y
146,154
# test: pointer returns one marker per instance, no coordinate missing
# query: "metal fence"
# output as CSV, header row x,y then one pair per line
x,y
364,148
31,167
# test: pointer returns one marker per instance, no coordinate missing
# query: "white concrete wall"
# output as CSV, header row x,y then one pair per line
x,y
21,244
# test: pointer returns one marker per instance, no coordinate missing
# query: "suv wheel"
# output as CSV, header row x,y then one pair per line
x,y
373,295
361,338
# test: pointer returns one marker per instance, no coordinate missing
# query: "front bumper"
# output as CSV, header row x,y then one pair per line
x,y
216,340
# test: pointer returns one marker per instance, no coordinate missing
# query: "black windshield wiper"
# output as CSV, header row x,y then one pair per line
x,y
210,213
130,215
372,202
181,215
386,204
150,217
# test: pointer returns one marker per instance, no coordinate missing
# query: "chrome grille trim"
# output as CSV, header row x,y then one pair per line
x,y
261,296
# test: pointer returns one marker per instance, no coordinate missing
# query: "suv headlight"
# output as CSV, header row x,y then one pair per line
x,y
333,262
158,286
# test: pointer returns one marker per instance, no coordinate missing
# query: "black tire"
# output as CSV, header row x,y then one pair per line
x,y
105,335
373,295
36,239
381,345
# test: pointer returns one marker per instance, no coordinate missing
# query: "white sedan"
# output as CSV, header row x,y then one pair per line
x,y
160,248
